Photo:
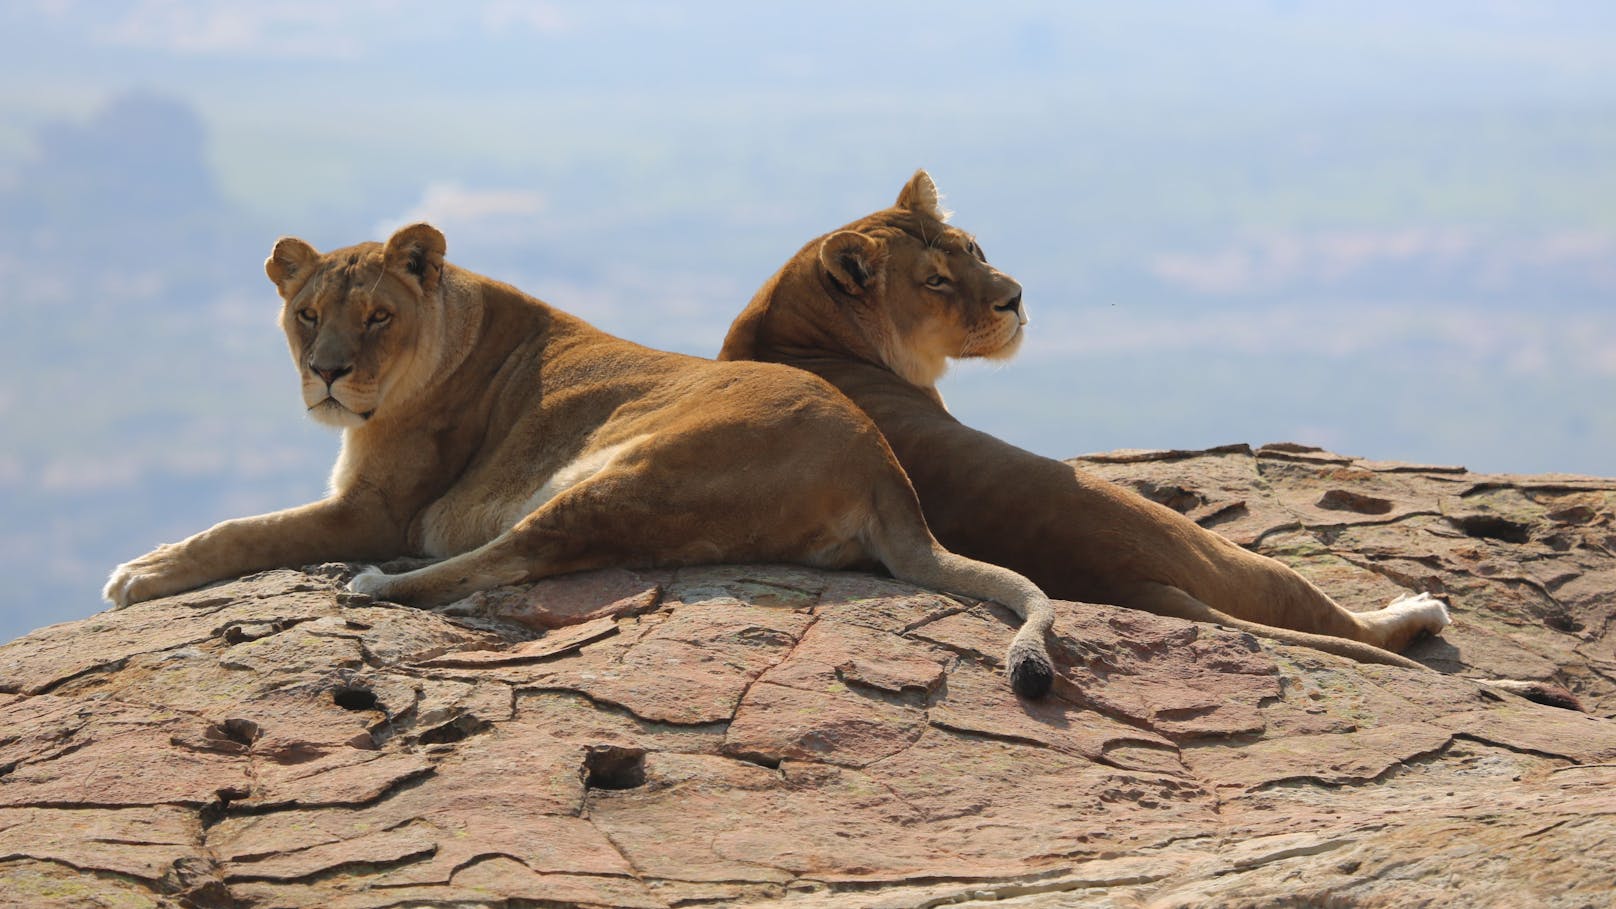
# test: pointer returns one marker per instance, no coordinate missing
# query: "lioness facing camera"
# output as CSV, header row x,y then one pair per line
x,y
878,308
514,441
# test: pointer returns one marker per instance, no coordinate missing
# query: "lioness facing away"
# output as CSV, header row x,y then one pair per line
x,y
878,308
514,441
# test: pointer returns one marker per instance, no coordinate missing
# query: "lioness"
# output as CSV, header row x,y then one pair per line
x,y
878,308
514,441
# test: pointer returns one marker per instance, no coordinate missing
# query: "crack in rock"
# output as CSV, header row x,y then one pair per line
x,y
340,766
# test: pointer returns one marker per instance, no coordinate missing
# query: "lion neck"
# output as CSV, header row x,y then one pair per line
x,y
799,317
451,328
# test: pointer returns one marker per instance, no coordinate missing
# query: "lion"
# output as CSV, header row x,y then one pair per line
x,y
879,307
512,441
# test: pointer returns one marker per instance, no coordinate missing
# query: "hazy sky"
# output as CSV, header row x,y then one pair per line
x,y
1388,228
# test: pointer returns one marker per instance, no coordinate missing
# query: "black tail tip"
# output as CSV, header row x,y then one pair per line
x,y
1031,676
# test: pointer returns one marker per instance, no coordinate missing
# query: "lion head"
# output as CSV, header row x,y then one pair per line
x,y
901,287
362,322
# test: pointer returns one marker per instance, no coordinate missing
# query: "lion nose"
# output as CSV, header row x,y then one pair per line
x,y
330,373
1011,305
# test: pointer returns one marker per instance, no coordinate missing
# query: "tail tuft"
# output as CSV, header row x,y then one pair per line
x,y
1031,674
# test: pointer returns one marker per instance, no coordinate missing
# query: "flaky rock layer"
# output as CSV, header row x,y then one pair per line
x,y
777,736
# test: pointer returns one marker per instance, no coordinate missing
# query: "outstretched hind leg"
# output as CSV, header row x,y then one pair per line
x,y
510,558
566,534
626,515
1165,599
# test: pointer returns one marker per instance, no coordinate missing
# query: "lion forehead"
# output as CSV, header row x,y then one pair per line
x,y
951,255
933,257
350,287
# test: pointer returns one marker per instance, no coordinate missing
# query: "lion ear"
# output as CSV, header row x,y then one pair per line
x,y
417,251
289,264
852,260
920,195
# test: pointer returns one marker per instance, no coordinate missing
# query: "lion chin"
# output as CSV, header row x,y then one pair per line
x,y
1008,349
331,412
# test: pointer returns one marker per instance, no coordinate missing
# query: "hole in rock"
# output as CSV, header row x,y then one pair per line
x,y
350,697
240,731
1563,621
456,730
614,767
1575,514
252,631
767,761
214,812
1234,511
1493,527
1176,497
1346,500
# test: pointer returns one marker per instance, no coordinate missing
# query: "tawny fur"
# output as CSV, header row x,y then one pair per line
x,y
513,441
862,305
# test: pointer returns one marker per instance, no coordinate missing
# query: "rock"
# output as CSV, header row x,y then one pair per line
x,y
781,736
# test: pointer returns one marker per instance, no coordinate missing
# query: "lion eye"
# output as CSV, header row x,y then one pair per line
x,y
379,317
937,281
307,316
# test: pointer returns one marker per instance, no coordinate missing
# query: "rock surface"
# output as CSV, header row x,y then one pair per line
x,y
777,736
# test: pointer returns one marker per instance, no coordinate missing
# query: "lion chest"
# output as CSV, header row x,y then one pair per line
x,y
489,502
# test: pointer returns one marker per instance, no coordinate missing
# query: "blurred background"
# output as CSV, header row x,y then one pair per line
x,y
1380,227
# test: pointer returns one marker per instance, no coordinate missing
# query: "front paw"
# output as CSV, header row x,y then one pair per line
x,y
372,582
158,573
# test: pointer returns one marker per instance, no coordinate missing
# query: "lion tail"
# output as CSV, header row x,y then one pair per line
x,y
900,539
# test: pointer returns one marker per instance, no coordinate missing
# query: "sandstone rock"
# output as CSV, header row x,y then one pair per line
x,y
780,736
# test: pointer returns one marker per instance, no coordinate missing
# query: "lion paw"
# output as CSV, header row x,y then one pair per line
x,y
1427,612
158,573
372,582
